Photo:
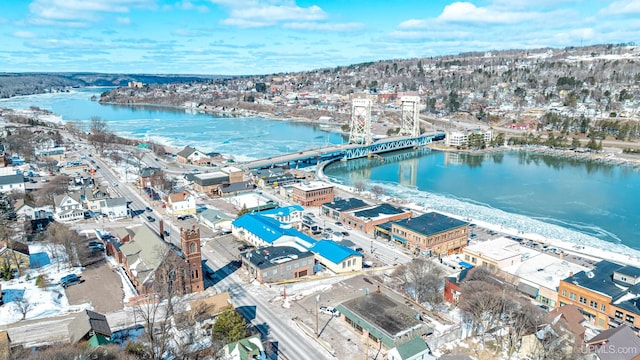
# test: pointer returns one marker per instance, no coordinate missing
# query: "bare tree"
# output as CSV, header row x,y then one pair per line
x,y
58,185
67,240
24,306
359,185
377,190
422,280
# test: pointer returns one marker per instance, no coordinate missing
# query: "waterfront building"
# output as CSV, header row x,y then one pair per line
x,y
278,263
313,193
190,155
366,219
494,254
431,233
337,206
337,258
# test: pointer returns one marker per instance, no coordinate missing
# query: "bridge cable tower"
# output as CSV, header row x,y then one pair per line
x,y
410,110
360,122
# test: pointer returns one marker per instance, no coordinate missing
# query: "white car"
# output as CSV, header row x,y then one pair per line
x,y
329,310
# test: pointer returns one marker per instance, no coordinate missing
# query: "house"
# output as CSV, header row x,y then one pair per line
x,y
89,326
277,263
291,215
9,183
313,193
336,257
619,343
114,208
190,155
572,316
431,233
92,197
415,349
246,349
67,207
146,258
452,289
181,203
15,254
215,219
382,319
150,176
24,209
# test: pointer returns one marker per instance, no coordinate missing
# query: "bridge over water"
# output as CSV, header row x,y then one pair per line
x,y
343,152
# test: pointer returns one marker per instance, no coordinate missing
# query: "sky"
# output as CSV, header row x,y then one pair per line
x,y
244,37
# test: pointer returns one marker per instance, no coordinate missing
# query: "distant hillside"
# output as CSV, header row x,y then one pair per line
x,y
15,84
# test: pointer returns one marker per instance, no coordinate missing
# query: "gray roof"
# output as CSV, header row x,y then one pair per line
x,y
237,187
144,252
629,271
214,216
621,337
188,150
430,223
148,171
85,322
346,204
265,258
374,212
599,279
11,179
116,202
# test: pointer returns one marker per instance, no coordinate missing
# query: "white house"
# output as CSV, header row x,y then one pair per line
x,y
9,183
67,208
215,219
114,208
181,203
291,215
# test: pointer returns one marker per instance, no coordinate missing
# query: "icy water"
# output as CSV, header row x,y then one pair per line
x,y
583,202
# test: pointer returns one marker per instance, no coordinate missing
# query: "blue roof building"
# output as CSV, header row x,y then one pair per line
x,y
336,257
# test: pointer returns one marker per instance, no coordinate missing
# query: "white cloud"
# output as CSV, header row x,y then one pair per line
x,y
622,7
123,20
316,26
74,11
467,12
23,34
256,13
413,24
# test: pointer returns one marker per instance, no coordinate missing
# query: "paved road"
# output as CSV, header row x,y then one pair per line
x,y
292,342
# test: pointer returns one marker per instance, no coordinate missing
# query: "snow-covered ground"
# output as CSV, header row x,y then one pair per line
x,y
44,302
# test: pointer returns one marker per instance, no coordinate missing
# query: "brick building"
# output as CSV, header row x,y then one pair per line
x,y
314,193
431,233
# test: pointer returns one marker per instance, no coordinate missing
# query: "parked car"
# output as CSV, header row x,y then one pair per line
x,y
165,233
338,223
95,243
329,310
69,278
148,209
68,283
151,218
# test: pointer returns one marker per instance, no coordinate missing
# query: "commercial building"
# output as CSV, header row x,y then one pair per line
x,y
366,219
494,254
431,233
382,319
277,263
337,258
338,206
314,193
210,183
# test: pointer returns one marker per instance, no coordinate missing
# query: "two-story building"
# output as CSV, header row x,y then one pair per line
x,y
431,233
181,203
190,155
313,193
291,215
210,183
367,218
10,183
68,207
494,254
277,263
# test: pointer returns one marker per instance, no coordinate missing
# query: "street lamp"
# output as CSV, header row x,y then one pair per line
x,y
317,315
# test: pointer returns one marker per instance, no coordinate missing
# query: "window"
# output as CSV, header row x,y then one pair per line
x,y
564,293
593,304
602,307
583,300
629,319
618,315
572,296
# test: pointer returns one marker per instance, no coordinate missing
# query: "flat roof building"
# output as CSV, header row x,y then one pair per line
x,y
431,233
277,263
313,193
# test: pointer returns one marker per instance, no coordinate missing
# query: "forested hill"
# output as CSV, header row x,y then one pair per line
x,y
14,84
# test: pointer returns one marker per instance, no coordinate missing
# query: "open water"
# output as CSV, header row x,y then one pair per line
x,y
580,201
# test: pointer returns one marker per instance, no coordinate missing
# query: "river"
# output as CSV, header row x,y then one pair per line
x,y
580,201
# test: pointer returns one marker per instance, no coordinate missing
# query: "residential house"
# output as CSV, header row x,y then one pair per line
x,y
68,207
431,233
551,337
215,219
147,258
92,197
150,176
24,209
181,203
572,316
382,319
336,257
619,343
15,254
190,155
246,349
415,349
278,263
10,183
90,326
452,289
273,177
313,193
114,208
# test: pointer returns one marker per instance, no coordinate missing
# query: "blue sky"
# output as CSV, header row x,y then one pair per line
x,y
265,36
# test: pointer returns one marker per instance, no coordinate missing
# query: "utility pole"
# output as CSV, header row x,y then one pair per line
x,y
317,315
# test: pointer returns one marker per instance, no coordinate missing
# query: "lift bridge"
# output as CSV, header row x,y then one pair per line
x,y
361,142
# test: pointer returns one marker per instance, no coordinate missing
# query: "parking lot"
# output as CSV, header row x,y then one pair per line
x,y
101,286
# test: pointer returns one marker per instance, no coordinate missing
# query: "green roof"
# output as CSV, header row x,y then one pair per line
x,y
412,348
98,340
247,349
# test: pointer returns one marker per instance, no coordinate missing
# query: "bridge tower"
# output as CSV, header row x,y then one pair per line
x,y
360,122
410,107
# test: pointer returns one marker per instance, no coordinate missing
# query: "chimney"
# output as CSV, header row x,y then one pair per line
x,y
570,273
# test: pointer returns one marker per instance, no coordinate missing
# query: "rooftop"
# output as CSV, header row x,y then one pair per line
x,y
600,279
544,270
267,257
312,185
430,223
211,175
497,249
376,212
333,251
346,204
